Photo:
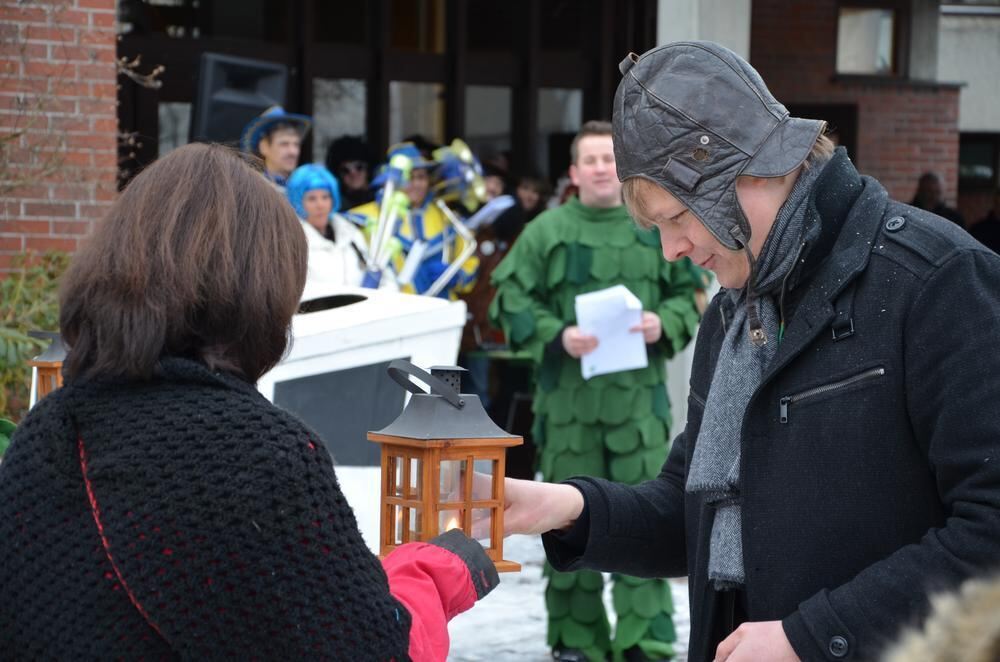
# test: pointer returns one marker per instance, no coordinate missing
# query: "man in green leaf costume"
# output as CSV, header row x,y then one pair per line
x,y
613,426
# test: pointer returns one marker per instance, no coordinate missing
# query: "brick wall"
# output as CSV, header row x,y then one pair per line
x,y
58,122
904,128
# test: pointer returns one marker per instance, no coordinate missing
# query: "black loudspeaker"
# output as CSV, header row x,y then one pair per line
x,y
232,91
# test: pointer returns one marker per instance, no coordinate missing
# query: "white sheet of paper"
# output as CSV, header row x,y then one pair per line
x,y
609,314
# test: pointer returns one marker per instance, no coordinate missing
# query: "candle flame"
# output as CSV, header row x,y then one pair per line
x,y
452,523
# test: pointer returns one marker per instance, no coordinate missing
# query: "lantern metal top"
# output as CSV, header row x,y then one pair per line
x,y
55,351
444,413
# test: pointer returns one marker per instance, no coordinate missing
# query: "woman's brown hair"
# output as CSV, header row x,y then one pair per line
x,y
199,257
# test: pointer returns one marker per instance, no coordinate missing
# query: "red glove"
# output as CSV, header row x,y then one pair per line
x,y
436,581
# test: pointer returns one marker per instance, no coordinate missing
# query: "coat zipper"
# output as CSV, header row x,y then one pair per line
x,y
826,388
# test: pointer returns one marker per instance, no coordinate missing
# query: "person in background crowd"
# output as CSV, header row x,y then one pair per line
x,y
987,229
495,180
423,233
930,196
494,241
351,160
158,506
337,247
615,425
424,145
276,137
531,197
840,458
532,194
565,189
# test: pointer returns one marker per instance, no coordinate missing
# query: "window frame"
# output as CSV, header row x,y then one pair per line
x,y
900,38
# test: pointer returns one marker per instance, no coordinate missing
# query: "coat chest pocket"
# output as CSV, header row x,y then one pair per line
x,y
864,378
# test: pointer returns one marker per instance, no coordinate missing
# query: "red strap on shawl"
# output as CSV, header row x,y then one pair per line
x,y
96,512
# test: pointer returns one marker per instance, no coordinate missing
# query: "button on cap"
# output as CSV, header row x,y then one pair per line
x,y
838,645
895,223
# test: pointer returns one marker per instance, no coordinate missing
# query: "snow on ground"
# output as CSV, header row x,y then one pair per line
x,y
509,623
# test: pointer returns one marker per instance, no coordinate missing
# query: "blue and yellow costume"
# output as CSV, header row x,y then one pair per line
x,y
425,224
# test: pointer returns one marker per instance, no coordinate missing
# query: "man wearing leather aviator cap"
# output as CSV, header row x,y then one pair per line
x,y
840,458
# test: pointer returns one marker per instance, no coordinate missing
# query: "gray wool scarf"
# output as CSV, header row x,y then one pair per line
x,y
715,467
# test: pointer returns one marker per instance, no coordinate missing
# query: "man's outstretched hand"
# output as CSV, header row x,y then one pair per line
x,y
533,508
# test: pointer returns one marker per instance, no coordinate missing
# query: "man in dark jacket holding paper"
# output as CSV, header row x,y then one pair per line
x,y
840,459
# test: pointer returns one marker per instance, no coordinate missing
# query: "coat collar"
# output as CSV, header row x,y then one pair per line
x,y
850,207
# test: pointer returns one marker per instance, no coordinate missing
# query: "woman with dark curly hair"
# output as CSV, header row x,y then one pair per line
x,y
157,505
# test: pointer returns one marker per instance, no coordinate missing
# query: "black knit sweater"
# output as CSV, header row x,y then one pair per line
x,y
185,517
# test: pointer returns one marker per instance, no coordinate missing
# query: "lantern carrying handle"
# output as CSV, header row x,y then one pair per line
x,y
401,371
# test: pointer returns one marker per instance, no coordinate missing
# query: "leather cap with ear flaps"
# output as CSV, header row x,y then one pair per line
x,y
693,116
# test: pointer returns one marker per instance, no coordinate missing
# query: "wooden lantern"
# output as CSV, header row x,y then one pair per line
x,y
443,463
46,368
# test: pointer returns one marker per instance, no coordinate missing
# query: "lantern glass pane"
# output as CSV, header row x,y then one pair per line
x,y
397,529
484,485
449,519
452,475
482,526
416,525
414,489
396,472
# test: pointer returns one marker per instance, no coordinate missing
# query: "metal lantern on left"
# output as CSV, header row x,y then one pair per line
x,y
46,368
443,463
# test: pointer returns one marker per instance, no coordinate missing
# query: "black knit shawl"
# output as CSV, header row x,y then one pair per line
x,y
225,533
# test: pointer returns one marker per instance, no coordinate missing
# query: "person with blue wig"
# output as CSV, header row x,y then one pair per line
x,y
337,247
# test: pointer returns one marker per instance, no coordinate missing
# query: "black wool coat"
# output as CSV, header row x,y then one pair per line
x,y
870,471
183,518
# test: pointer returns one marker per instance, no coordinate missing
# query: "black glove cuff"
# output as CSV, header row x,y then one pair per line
x,y
484,574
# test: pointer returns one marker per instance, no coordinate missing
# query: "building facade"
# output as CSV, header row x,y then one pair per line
x,y
898,81
969,51
515,77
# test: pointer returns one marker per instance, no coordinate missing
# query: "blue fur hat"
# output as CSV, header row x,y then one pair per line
x,y
311,177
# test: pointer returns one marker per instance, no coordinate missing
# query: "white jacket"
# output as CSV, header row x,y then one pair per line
x,y
339,262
